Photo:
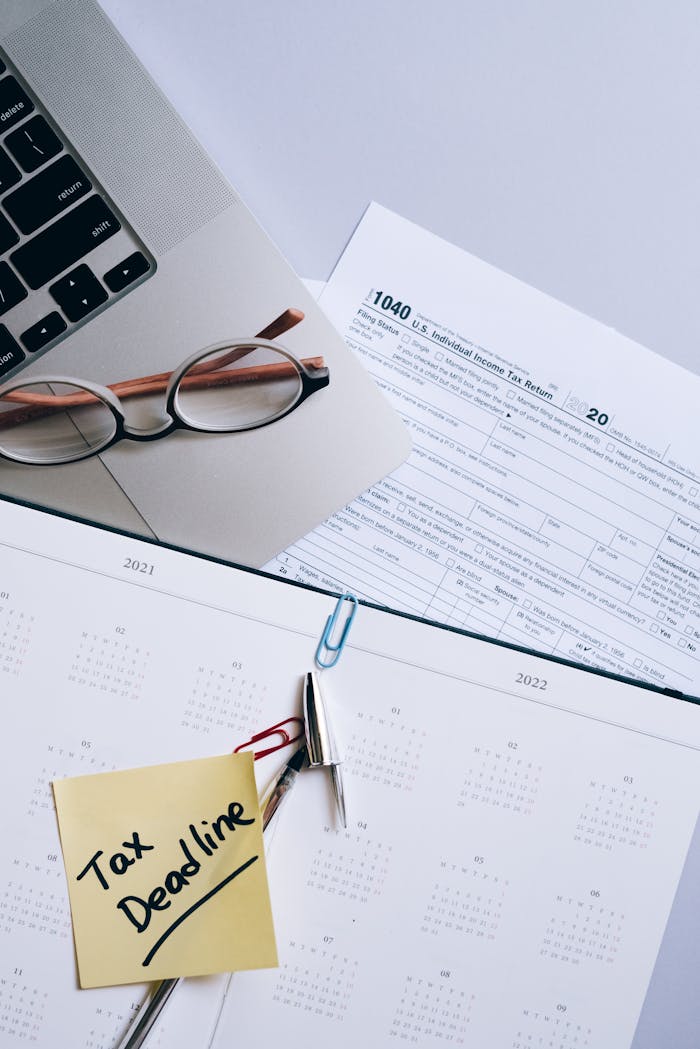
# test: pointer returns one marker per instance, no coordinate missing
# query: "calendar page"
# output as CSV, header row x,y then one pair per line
x,y
517,828
516,833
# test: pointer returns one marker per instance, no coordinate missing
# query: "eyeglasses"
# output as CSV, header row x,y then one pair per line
x,y
232,386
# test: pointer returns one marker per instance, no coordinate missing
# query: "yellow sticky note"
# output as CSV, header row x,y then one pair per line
x,y
166,871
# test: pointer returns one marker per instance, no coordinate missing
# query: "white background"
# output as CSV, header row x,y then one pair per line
x,y
556,140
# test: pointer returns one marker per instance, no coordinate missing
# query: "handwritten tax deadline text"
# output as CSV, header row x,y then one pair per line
x,y
166,871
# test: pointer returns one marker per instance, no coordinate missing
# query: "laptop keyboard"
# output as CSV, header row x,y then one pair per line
x,y
65,252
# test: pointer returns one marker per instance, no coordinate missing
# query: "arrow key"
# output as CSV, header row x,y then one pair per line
x,y
78,293
43,332
127,272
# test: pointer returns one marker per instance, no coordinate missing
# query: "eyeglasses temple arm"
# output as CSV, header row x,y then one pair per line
x,y
287,320
281,324
195,380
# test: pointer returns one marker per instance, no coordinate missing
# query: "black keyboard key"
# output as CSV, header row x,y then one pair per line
x,y
41,333
33,144
61,245
10,353
14,103
46,195
8,236
127,272
78,293
12,290
9,173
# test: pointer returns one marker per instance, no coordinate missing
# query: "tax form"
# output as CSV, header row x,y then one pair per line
x,y
552,497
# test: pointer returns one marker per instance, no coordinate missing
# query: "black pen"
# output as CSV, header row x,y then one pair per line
x,y
281,785
148,1014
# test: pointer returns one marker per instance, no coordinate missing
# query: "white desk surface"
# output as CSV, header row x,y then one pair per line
x,y
559,142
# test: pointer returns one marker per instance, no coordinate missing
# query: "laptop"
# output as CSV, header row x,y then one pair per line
x,y
123,252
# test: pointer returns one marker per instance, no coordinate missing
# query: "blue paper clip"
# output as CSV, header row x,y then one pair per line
x,y
327,645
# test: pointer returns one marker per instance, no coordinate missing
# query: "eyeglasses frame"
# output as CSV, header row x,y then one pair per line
x,y
173,419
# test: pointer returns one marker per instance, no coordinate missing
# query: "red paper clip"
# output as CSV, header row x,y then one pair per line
x,y
273,730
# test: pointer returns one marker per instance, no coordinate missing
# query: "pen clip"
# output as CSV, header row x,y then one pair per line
x,y
268,733
327,644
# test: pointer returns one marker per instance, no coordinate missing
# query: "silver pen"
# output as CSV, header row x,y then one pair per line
x,y
320,742
148,1014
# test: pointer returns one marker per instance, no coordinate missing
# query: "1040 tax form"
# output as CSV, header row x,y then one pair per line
x,y
552,497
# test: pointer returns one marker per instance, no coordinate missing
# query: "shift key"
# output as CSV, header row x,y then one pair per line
x,y
63,244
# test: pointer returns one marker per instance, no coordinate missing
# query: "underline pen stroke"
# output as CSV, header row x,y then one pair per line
x,y
207,896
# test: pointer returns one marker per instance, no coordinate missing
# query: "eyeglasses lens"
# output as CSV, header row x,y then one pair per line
x,y
238,387
53,423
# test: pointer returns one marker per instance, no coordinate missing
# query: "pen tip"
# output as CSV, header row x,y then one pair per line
x,y
297,759
339,794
